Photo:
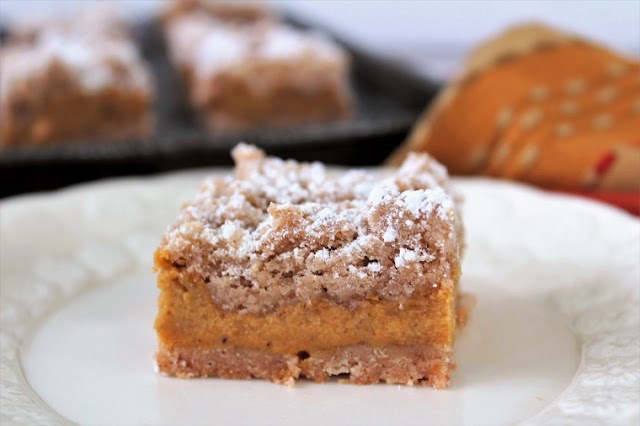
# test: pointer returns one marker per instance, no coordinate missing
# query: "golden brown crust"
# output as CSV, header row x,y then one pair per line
x,y
227,363
363,364
357,364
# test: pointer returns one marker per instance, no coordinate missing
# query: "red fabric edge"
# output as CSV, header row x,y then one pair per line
x,y
629,201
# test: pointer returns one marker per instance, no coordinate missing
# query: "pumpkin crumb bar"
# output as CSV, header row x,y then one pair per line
x,y
289,270
263,74
72,79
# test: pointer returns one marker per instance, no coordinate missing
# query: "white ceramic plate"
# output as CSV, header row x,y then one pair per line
x,y
554,339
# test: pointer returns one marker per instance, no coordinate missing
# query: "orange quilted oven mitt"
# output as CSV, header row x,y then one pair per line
x,y
545,107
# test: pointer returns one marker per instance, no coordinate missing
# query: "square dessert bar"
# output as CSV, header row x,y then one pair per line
x,y
69,82
287,270
261,74
238,11
98,21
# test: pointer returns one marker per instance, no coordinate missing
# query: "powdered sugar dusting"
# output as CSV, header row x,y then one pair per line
x,y
279,230
210,46
221,48
281,42
407,256
92,60
390,235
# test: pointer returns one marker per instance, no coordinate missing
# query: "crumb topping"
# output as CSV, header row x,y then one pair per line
x,y
98,21
95,54
212,46
279,231
236,11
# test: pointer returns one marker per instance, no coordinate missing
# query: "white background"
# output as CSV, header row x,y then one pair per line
x,y
432,34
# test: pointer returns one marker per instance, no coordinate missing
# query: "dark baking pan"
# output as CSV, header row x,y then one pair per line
x,y
388,98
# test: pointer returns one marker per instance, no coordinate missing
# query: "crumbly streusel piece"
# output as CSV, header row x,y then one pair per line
x,y
297,233
98,22
236,11
312,272
265,74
